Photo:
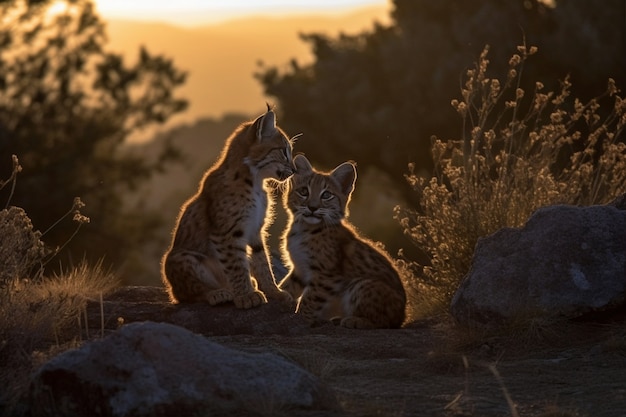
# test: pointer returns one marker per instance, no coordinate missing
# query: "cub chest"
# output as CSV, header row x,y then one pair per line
x,y
312,253
256,212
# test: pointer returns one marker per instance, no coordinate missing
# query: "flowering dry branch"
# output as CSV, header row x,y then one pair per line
x,y
517,153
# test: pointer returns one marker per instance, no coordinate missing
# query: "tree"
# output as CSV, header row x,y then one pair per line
x,y
378,97
66,107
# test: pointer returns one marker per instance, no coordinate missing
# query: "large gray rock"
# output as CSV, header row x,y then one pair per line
x,y
158,369
565,262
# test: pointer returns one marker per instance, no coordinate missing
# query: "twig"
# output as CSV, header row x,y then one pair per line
x,y
505,391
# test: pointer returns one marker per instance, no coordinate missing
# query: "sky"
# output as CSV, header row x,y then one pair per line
x,y
198,12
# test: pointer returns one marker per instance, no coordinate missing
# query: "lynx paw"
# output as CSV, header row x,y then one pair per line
x,y
253,299
280,295
283,300
219,296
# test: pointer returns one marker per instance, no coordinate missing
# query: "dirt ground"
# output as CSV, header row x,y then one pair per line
x,y
431,368
420,371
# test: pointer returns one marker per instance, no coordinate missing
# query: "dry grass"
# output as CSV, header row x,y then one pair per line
x,y
39,315
21,251
518,152
39,318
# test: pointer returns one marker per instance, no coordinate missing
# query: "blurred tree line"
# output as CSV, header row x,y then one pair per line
x,y
377,97
66,107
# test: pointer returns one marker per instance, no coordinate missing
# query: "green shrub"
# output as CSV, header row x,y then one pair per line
x,y
518,152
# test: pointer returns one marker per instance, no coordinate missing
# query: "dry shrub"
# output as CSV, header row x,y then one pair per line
x,y
22,253
518,152
40,317
38,313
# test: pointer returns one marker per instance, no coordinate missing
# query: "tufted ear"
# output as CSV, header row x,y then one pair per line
x,y
265,124
302,164
345,175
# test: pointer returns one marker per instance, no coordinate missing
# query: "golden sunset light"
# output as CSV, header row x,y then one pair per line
x,y
312,207
220,44
196,12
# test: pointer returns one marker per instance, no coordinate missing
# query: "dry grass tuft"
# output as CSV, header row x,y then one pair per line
x,y
38,319
519,151
39,315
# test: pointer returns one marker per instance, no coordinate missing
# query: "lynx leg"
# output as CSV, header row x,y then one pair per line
x,y
293,284
311,308
237,269
373,304
192,276
260,268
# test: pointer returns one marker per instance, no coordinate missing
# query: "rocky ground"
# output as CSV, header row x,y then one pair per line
x,y
429,368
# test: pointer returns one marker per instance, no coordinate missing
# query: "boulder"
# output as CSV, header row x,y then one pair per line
x,y
619,202
566,261
159,369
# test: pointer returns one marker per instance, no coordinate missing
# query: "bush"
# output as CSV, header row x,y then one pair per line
x,y
68,105
517,153
38,312
21,250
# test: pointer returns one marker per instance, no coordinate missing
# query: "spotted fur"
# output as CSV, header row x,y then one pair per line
x,y
218,251
336,274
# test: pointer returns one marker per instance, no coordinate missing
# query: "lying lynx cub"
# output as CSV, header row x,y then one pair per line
x,y
337,274
219,238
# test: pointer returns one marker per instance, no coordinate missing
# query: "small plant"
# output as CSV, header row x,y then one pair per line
x,y
38,312
22,253
517,153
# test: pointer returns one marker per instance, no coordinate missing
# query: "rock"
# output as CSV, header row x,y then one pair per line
x,y
619,202
565,262
157,369
133,304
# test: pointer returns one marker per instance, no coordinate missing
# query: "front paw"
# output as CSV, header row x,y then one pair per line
x,y
283,299
220,296
250,300
280,295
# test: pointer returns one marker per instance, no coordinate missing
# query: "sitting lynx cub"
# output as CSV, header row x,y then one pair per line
x,y
337,274
219,238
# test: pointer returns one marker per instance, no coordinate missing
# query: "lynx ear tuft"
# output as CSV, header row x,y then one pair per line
x,y
265,124
345,175
302,164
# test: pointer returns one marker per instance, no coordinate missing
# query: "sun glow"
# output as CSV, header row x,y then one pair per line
x,y
57,7
193,12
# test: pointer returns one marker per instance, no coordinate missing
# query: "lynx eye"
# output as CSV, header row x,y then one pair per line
x,y
285,155
303,191
326,195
